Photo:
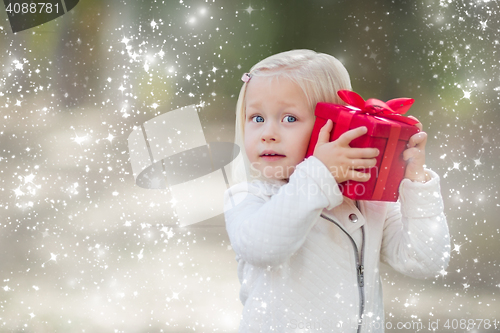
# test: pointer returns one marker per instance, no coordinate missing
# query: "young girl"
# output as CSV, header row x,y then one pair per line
x,y
308,258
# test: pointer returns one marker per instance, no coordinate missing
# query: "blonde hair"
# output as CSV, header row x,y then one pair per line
x,y
319,75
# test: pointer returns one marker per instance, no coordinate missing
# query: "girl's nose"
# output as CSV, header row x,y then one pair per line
x,y
269,133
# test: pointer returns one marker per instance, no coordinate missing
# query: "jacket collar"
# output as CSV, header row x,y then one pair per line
x,y
342,212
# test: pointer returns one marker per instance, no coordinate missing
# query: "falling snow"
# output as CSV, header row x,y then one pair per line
x,y
86,250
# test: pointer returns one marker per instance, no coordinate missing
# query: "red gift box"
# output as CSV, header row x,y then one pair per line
x,y
388,131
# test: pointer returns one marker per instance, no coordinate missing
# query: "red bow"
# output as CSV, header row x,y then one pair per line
x,y
392,109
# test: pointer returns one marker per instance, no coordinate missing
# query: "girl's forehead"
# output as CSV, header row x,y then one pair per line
x,y
270,85
274,89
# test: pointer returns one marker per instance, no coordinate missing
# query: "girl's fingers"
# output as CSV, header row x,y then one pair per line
x,y
350,135
358,176
363,163
362,152
410,152
419,124
324,132
417,139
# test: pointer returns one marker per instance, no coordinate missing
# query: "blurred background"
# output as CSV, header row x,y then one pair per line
x,y
83,249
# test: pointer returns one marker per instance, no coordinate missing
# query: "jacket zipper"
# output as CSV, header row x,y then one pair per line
x,y
359,269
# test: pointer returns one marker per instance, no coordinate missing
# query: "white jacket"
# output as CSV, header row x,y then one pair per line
x,y
299,271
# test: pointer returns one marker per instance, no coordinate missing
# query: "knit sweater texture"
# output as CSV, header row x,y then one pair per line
x,y
308,258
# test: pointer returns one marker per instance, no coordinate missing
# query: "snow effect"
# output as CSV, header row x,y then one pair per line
x,y
86,250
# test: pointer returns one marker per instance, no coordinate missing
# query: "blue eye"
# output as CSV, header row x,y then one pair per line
x,y
260,117
294,119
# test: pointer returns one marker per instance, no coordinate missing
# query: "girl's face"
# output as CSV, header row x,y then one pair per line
x,y
277,121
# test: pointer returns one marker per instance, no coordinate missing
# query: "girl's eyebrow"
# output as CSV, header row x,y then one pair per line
x,y
284,104
287,104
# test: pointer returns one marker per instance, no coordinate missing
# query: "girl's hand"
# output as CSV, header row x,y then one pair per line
x,y
415,155
342,160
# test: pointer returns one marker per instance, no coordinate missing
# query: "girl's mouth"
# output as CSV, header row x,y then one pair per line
x,y
271,158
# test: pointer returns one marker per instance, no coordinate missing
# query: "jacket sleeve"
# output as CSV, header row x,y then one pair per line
x,y
266,230
416,240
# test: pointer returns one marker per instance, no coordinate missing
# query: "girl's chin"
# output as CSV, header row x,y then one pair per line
x,y
274,173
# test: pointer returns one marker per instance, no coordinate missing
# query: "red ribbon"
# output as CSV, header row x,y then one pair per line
x,y
392,109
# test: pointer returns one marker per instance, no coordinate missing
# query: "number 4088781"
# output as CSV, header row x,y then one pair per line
x,y
32,8
471,324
